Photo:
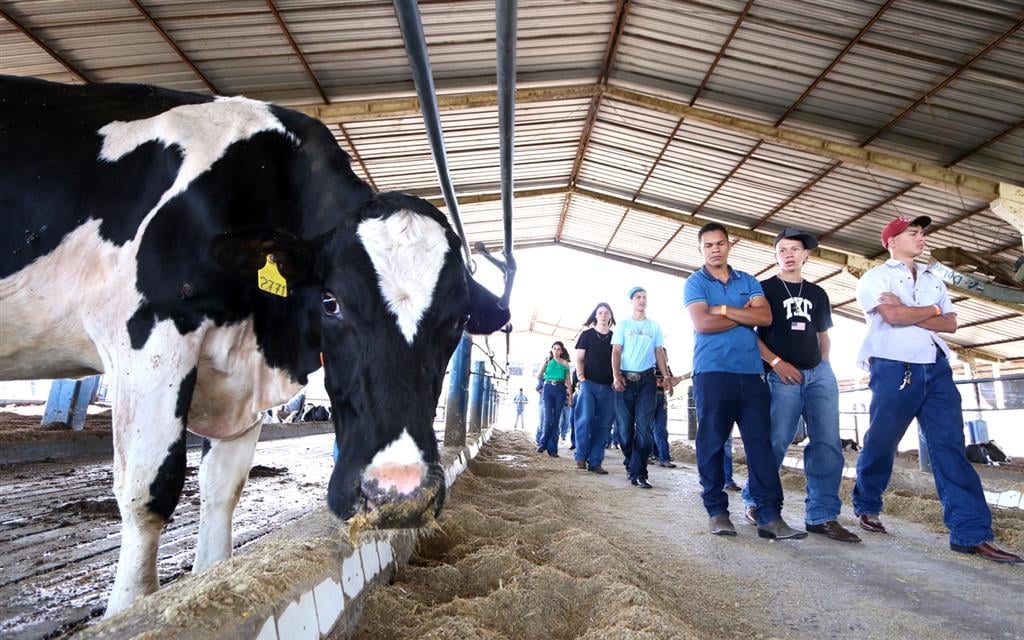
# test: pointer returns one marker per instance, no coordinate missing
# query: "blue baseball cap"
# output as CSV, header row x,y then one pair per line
x,y
634,291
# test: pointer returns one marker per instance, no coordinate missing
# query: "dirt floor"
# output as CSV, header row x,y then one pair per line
x,y
529,547
21,423
60,529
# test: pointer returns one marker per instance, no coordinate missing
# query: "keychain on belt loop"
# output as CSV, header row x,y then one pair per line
x,y
906,377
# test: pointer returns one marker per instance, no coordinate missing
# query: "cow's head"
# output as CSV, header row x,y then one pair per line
x,y
394,298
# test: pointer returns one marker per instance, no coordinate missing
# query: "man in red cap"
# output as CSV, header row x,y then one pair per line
x,y
905,304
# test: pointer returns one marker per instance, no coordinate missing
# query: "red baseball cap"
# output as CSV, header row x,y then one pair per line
x,y
900,224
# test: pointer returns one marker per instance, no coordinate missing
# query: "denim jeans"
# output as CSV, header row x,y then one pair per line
x,y
565,422
594,411
723,399
817,400
661,427
933,399
727,459
634,407
540,424
554,402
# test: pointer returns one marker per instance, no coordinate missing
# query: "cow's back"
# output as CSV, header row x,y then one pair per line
x,y
113,195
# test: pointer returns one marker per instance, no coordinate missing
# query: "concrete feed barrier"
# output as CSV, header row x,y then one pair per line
x,y
305,581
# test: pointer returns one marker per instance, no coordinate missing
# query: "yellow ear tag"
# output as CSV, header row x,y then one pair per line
x,y
271,280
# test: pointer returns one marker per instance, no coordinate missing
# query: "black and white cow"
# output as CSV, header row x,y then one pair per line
x,y
138,225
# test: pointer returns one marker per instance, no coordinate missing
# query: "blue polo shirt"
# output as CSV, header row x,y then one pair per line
x,y
734,350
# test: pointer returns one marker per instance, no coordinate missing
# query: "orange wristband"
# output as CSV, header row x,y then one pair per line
x,y
774,362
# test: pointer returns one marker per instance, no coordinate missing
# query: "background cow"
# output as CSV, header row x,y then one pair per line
x,y
141,224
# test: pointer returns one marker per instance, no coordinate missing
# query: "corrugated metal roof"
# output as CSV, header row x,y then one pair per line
x,y
936,81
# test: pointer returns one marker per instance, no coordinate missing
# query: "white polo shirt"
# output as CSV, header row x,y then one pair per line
x,y
912,344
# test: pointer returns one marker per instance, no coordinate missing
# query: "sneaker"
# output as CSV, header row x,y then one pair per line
x,y
642,483
541,449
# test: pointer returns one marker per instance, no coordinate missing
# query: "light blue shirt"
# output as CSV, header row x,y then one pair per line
x,y
912,344
638,339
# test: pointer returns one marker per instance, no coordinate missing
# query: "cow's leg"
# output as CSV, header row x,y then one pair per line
x,y
222,475
149,472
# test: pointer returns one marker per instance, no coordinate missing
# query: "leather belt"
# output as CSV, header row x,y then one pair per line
x,y
554,382
634,376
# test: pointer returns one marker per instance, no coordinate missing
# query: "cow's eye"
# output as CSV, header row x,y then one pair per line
x,y
330,305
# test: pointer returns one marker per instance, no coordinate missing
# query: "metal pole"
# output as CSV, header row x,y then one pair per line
x,y
476,397
409,21
488,404
505,37
458,395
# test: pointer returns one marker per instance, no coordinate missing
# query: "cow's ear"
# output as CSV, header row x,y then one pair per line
x,y
243,252
485,315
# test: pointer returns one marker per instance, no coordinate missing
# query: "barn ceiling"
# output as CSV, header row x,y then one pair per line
x,y
637,120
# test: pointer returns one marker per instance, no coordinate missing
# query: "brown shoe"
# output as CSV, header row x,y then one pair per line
x,y
777,529
750,515
833,530
599,470
988,551
581,464
721,525
872,524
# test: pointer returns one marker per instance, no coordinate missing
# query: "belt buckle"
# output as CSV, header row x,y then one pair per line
x,y
633,377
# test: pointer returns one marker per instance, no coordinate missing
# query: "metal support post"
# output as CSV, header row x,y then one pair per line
x,y
476,397
458,395
486,417
68,402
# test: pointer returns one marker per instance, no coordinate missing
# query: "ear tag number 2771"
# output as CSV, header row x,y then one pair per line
x,y
269,278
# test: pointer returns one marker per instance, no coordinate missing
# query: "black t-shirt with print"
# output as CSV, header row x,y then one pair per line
x,y
799,313
597,364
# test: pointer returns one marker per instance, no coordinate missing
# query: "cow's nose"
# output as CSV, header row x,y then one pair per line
x,y
391,482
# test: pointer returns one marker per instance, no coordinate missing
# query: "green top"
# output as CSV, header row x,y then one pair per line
x,y
555,370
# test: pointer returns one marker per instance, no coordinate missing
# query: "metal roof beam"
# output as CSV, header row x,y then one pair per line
x,y
887,163
965,284
945,82
72,69
378,108
174,45
842,54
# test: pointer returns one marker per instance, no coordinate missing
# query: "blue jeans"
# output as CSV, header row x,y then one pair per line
x,y
661,427
723,399
817,400
634,407
933,399
594,412
554,402
727,462
565,421
540,424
